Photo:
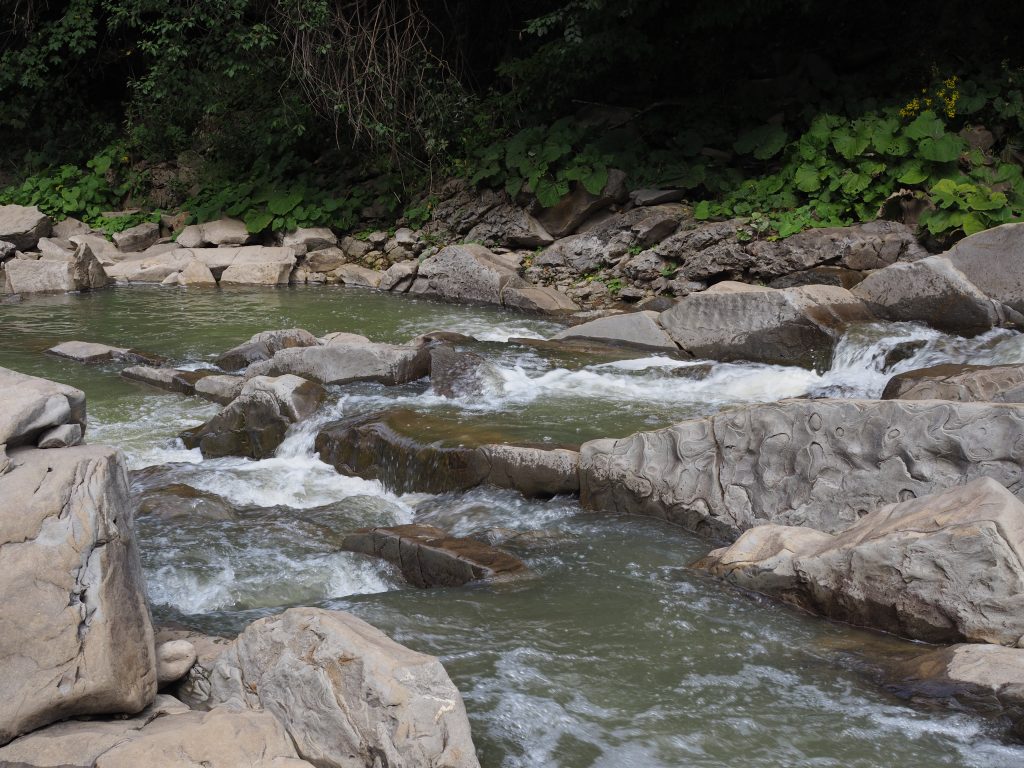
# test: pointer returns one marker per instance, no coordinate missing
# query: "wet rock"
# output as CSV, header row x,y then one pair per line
x,y
933,291
70,573
428,557
92,352
635,329
258,265
904,350
61,437
215,233
817,463
174,658
180,500
458,373
343,363
254,424
795,326
540,299
943,568
137,238
219,389
571,211
23,225
345,693
357,276
343,337
79,272
31,407
408,451
992,383
170,379
263,346
306,239
992,260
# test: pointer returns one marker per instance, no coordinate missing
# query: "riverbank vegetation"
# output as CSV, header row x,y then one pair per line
x,y
290,113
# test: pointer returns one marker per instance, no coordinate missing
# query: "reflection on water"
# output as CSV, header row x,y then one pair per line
x,y
612,652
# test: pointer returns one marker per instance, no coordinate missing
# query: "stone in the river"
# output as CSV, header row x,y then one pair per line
x,y
92,352
935,292
795,326
23,225
181,500
78,272
259,265
633,329
343,337
196,273
355,275
299,398
346,694
75,633
219,233
262,346
61,437
994,261
343,363
429,557
174,658
33,406
987,383
538,298
171,379
943,568
459,373
137,238
818,463
469,273
150,268
532,471
219,388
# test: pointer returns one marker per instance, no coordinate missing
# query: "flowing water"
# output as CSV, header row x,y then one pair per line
x,y
612,653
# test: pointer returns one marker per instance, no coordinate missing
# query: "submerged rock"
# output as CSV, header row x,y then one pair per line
x,y
263,345
992,383
346,694
91,352
817,463
171,379
429,557
349,361
70,574
459,373
943,568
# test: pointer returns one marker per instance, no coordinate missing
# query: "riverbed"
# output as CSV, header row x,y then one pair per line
x,y
612,652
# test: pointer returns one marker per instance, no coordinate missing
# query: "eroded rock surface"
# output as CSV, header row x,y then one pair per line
x,y
993,383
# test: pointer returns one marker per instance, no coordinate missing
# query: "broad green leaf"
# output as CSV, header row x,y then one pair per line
x,y
849,144
763,143
702,210
806,178
944,149
925,126
973,223
282,204
912,173
257,221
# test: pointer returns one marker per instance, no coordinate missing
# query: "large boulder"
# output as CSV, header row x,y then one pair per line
x,y
219,388
633,329
428,557
346,694
137,238
150,268
258,265
75,633
795,326
986,383
565,216
307,239
23,225
255,423
994,261
223,232
346,362
508,226
93,352
408,451
80,271
33,406
537,298
469,273
933,291
821,463
356,276
943,568
263,345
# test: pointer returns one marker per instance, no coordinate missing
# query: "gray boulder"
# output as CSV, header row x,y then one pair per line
x,y
459,373
539,298
795,326
219,388
325,259
991,383
70,573
508,226
346,362
399,277
194,688
306,239
994,261
634,329
943,568
223,232
23,225
150,268
137,238
346,694
61,437
571,211
80,271
33,406
174,658
822,463
93,352
357,276
257,265
263,345
469,273
170,379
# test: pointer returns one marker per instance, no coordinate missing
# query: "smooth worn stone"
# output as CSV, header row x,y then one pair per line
x,y
92,352
258,265
795,326
817,463
104,250
179,500
343,363
540,299
469,273
840,276
70,573
137,238
299,398
325,259
174,658
634,329
146,268
459,373
933,291
170,379
23,225
429,557
80,743
343,337
79,272
61,437
346,694
196,273
219,388
223,232
943,568
263,345
54,248
33,406
986,383
306,239
357,276
69,227
993,260
194,688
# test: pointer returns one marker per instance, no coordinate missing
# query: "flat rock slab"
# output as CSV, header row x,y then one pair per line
x,y
70,573
429,557
634,329
817,463
994,261
33,406
170,379
346,362
81,271
23,225
92,352
986,383
943,568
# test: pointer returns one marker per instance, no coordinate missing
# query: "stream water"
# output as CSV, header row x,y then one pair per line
x,y
612,653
